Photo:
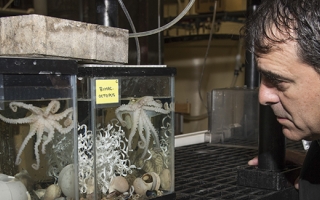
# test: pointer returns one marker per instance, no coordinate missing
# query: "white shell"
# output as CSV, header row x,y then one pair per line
x,y
119,184
165,177
141,187
66,181
25,178
155,180
13,190
148,181
52,192
29,197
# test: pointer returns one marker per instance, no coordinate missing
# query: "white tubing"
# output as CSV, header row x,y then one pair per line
x,y
133,29
162,28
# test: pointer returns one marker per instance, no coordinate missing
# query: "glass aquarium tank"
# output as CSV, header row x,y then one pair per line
x,y
126,138
38,129
233,115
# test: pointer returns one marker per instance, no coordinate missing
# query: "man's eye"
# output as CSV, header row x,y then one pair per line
x,y
274,82
279,84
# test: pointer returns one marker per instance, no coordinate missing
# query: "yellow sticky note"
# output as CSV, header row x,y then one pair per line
x,y
107,91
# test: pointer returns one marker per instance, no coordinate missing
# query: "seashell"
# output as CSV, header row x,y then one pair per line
x,y
25,178
66,181
13,190
141,187
40,193
165,177
29,197
153,178
148,181
52,192
119,184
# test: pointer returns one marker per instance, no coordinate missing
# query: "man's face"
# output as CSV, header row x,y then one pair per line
x,y
292,89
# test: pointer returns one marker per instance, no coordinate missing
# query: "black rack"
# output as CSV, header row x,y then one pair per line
x,y
209,171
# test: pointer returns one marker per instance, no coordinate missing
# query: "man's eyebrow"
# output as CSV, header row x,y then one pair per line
x,y
273,76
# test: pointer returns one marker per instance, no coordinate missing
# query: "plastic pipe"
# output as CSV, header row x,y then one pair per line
x,y
160,29
133,30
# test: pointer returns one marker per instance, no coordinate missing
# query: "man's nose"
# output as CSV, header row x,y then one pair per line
x,y
268,95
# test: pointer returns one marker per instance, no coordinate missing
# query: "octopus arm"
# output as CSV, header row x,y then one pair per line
x,y
59,127
153,103
150,130
36,148
50,130
52,107
147,130
135,122
121,110
27,120
157,110
14,107
32,131
60,116
142,143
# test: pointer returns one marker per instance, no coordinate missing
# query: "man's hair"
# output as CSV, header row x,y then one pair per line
x,y
295,20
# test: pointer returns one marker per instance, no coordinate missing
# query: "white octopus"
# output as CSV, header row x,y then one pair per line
x,y
140,120
41,120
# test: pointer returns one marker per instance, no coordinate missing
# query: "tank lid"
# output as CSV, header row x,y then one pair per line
x,y
97,71
15,65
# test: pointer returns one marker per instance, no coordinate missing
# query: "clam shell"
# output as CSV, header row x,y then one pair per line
x,y
52,192
153,178
66,181
141,187
25,178
40,193
165,177
119,184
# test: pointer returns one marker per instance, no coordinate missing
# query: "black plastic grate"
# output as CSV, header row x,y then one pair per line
x,y
208,171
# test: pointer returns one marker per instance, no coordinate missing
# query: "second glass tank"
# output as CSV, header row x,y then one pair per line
x,y
126,138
